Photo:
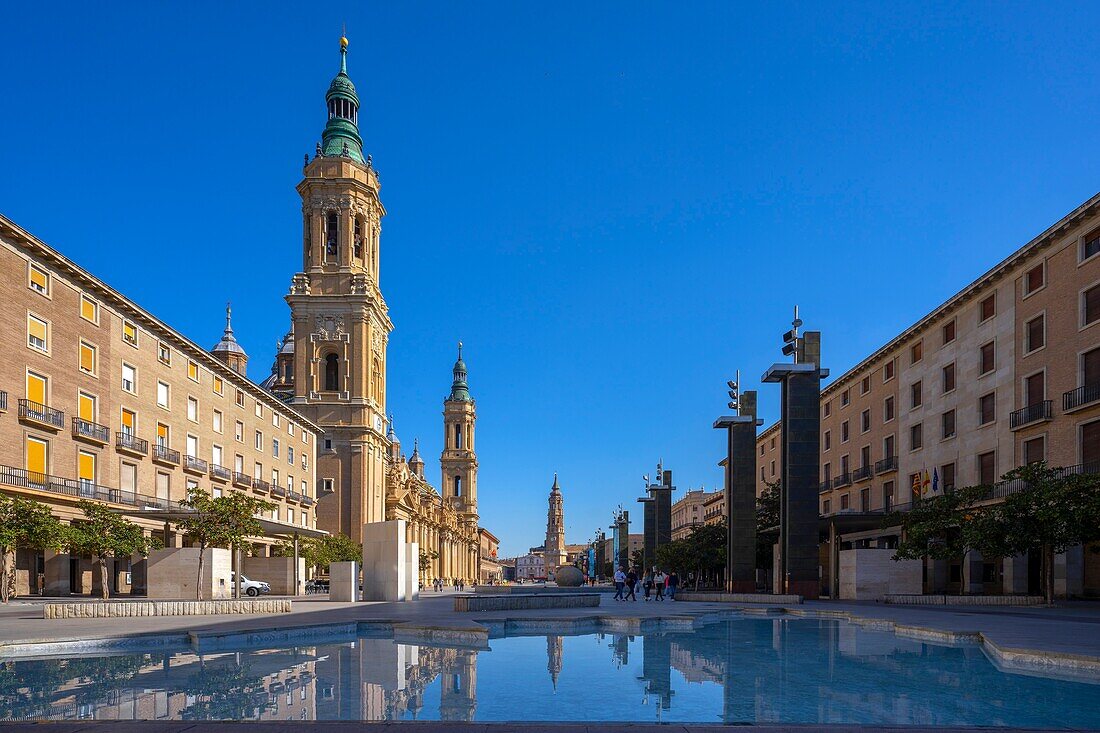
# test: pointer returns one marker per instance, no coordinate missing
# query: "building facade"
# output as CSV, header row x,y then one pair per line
x,y
102,400
530,567
490,569
688,512
1005,373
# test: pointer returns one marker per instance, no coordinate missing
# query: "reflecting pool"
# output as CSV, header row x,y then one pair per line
x,y
735,670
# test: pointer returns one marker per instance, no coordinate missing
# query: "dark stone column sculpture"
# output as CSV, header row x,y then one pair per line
x,y
741,495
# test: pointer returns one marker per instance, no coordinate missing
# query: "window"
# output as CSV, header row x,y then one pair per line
x,y
240,398
825,508
129,379
259,409
290,454
888,495
37,457
888,371
828,408
162,394
949,424
38,280
987,308
89,309
845,398
888,446
844,432
828,441
238,431
275,419
987,408
274,447
192,371
328,443
85,469
916,352
916,437
865,457
948,377
888,409
1034,450
1089,446
865,500
192,448
773,468
217,421
164,354
865,421
1034,389
827,473
1035,336
865,385
217,385
987,358
85,406
948,332
1090,244
761,449
38,388
947,477
844,466
164,485
127,477
843,502
238,463
289,516
331,229
129,423
192,409
1090,305
1034,279
275,477
130,333
987,468
458,486
259,440
38,334
332,373
163,435
258,471
915,396
290,429
87,358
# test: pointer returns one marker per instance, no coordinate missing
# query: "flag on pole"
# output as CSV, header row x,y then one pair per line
x,y
935,480
916,485
926,482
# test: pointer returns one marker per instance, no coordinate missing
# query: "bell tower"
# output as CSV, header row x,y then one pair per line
x,y
340,322
458,461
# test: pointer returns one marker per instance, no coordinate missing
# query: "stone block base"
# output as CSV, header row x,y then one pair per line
x,y
525,602
944,600
124,609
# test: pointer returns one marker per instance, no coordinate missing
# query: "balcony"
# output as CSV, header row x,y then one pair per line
x,y
260,486
130,443
307,500
164,455
863,473
242,480
1039,412
824,486
91,432
1081,397
294,496
887,464
41,415
195,465
844,479
220,473
78,489
278,491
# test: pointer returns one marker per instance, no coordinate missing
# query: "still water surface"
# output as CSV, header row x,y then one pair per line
x,y
741,670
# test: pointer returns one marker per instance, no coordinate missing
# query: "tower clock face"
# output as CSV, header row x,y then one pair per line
x,y
378,423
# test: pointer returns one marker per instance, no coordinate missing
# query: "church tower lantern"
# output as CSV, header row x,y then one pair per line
x,y
458,462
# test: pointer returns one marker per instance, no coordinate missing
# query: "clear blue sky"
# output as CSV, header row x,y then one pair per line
x,y
614,207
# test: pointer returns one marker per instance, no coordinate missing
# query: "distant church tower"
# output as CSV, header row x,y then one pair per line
x,y
340,322
458,462
228,350
554,548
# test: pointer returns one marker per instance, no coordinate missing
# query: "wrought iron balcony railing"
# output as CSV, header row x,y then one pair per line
x,y
1030,414
164,454
41,414
1081,396
132,443
88,430
889,463
220,473
862,473
195,465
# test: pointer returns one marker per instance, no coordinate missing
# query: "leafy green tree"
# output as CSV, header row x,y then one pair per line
x,y
426,559
767,523
24,523
225,521
320,552
938,527
104,533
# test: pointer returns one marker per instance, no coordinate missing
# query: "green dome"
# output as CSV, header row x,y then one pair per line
x,y
343,88
341,136
460,392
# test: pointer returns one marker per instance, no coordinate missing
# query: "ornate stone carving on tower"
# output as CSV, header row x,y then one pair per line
x,y
458,462
554,553
340,322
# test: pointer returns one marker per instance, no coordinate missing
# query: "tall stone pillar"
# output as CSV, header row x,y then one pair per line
x,y
57,573
741,495
1014,571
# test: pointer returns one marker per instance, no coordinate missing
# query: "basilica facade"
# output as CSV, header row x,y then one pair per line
x,y
331,364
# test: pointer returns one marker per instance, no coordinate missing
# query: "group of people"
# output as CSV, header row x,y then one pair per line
x,y
628,583
455,583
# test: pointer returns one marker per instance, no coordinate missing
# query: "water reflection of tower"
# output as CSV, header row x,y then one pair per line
x,y
458,699
656,667
554,658
620,649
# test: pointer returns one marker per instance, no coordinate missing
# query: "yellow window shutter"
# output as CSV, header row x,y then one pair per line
x,y
39,279
87,407
128,420
86,467
88,308
37,454
36,328
36,388
87,357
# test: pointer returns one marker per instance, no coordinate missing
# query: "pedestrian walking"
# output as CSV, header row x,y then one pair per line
x,y
631,582
620,581
647,583
659,580
673,584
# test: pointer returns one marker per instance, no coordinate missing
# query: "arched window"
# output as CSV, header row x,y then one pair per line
x,y
458,486
288,372
458,437
332,373
358,240
331,229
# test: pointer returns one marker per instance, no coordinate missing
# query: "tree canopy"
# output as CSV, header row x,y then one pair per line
x,y
24,523
104,533
223,521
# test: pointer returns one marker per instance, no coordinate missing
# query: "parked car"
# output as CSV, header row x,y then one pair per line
x,y
250,587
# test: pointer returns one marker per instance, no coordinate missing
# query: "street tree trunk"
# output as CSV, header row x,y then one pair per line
x,y
104,586
7,556
1048,573
198,584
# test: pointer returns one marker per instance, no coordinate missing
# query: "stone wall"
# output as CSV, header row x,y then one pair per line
x,y
278,572
173,572
107,609
869,574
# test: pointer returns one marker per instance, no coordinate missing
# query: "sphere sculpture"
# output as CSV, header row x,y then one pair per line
x,y
567,576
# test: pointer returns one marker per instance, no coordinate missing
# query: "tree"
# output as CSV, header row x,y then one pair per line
x,y
767,523
426,559
937,527
225,521
24,523
104,533
323,551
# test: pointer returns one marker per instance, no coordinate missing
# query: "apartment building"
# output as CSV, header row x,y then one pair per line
x,y
1004,373
101,400
714,508
687,512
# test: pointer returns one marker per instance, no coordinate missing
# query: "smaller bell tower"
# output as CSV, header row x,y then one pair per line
x,y
458,461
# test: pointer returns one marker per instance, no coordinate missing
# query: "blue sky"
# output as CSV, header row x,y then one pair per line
x,y
613,206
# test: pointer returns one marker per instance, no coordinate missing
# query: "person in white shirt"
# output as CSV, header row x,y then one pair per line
x,y
659,581
620,581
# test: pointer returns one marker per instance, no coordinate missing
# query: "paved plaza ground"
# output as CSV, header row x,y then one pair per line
x,y
425,727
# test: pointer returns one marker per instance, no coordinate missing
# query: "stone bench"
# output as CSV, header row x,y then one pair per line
x,y
125,609
526,601
903,599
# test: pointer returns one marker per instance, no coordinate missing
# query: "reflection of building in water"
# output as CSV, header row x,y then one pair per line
x,y
554,658
656,670
459,686
620,648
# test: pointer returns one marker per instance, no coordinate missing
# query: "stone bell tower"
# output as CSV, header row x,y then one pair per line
x,y
340,322
458,462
